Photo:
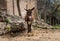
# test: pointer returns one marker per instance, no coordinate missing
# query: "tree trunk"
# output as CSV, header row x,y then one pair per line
x,y
18,7
13,7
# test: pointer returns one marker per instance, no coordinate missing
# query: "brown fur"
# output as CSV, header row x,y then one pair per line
x,y
29,18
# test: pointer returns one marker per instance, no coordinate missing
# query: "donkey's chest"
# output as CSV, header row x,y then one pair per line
x,y
29,18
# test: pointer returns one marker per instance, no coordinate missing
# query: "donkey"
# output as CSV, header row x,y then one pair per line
x,y
29,18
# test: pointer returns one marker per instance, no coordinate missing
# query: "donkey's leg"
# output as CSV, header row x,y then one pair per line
x,y
29,28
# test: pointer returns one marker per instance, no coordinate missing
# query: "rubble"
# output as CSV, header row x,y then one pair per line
x,y
12,23
2,27
41,24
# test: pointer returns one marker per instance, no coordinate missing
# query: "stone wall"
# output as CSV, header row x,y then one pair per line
x,y
23,5
9,7
3,4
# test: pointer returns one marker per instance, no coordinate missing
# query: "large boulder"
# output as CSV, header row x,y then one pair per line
x,y
16,23
12,23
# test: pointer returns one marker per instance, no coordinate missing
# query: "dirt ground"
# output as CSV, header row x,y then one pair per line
x,y
35,35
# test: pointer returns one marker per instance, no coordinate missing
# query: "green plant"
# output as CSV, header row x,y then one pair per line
x,y
57,26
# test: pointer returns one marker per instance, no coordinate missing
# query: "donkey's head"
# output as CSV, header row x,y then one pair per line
x,y
29,11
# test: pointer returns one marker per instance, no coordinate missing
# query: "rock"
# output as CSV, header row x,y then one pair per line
x,y
2,27
13,23
16,23
41,24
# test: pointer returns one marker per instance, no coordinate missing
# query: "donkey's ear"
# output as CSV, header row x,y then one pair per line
x,y
33,8
25,9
